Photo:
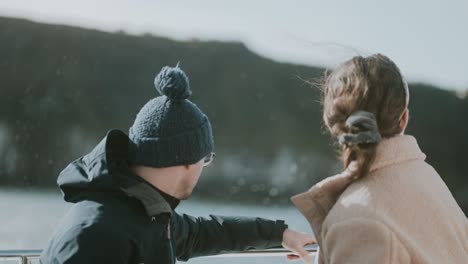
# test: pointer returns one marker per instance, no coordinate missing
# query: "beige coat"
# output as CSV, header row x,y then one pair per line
x,y
401,212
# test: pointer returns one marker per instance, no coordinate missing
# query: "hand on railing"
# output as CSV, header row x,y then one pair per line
x,y
296,241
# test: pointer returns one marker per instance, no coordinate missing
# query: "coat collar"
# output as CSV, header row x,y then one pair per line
x,y
397,149
315,203
117,152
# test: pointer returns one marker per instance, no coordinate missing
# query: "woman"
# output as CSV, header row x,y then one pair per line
x,y
388,205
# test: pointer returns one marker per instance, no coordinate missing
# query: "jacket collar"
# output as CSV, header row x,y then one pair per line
x,y
315,203
151,199
395,150
130,184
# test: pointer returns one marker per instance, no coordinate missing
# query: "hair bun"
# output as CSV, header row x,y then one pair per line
x,y
173,83
368,130
362,120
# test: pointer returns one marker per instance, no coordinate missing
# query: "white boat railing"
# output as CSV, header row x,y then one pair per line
x,y
20,256
252,256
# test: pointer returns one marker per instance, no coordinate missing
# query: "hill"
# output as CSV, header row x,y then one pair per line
x,y
63,87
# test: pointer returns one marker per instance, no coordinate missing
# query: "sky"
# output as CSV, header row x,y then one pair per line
x,y
428,39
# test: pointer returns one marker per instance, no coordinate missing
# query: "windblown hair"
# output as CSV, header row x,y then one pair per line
x,y
373,84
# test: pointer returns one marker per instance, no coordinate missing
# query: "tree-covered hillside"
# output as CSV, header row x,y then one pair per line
x,y
62,88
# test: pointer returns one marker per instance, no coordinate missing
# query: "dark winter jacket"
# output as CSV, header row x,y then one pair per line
x,y
119,218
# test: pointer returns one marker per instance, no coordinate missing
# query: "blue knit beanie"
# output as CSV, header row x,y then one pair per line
x,y
170,130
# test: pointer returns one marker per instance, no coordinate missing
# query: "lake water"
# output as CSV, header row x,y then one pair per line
x,y
28,217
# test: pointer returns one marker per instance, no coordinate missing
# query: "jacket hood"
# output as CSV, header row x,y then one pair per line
x,y
102,171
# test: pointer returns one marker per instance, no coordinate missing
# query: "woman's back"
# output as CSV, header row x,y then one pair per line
x,y
405,204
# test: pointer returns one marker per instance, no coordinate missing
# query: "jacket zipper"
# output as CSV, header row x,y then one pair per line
x,y
169,230
153,219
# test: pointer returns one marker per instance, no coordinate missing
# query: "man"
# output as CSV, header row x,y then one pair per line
x,y
125,192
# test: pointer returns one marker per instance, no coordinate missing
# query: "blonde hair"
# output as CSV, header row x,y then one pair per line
x,y
372,85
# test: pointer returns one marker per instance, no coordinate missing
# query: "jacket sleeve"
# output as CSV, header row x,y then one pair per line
x,y
217,234
93,246
362,241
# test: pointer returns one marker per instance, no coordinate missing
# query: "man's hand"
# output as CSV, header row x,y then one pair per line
x,y
296,241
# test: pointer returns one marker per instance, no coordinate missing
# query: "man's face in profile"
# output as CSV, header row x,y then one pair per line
x,y
193,175
190,181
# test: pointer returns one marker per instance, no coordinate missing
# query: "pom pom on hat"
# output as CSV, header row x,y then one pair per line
x,y
173,83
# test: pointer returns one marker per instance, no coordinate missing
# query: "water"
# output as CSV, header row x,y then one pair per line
x,y
29,216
